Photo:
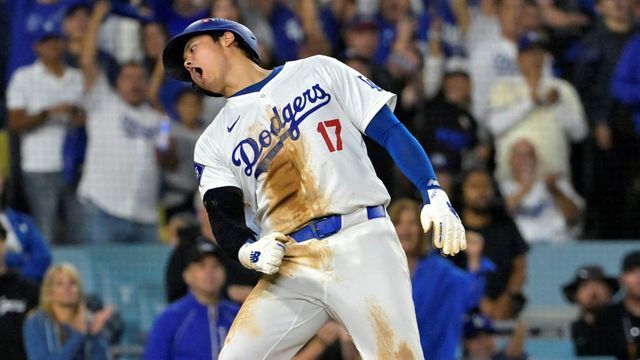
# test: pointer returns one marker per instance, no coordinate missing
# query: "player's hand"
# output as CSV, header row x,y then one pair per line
x,y
438,215
264,255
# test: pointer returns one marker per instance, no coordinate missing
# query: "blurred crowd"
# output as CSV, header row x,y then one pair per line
x,y
529,111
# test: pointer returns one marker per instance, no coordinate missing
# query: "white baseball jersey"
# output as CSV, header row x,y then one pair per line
x,y
120,174
295,147
34,89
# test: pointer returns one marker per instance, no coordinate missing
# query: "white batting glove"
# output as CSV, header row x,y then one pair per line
x,y
448,232
264,255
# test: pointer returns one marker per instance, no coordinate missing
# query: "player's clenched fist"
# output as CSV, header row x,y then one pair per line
x,y
437,213
264,255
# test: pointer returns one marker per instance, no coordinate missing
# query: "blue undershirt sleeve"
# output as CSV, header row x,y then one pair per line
x,y
386,130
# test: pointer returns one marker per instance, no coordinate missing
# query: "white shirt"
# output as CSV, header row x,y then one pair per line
x,y
321,165
120,174
34,89
538,217
551,129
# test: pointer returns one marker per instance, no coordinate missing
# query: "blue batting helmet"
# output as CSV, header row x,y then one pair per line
x,y
172,56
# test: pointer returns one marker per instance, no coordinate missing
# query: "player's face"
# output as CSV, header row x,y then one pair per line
x,y
409,232
132,84
205,277
631,282
478,191
593,294
206,62
64,291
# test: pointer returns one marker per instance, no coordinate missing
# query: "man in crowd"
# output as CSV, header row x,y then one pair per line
x,y
592,290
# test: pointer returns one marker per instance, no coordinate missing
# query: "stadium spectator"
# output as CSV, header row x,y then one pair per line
x,y
195,326
442,293
41,114
625,86
25,250
331,342
538,107
491,43
481,211
592,290
480,341
240,281
153,39
179,185
605,158
617,326
448,129
334,16
547,208
397,25
119,182
17,297
62,328
178,14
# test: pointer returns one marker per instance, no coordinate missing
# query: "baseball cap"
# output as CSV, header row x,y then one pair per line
x,y
44,35
456,65
201,249
532,40
589,273
362,22
476,324
631,261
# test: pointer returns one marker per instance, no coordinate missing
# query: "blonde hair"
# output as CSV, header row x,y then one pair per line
x,y
396,209
46,304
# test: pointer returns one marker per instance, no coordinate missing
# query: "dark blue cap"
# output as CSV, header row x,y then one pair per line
x,y
362,22
531,40
477,323
49,34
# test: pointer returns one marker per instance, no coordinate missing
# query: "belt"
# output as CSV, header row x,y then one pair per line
x,y
323,227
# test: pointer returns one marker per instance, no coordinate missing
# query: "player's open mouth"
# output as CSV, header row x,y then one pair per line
x,y
196,72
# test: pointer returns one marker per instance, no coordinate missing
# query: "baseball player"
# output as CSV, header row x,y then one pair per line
x,y
288,148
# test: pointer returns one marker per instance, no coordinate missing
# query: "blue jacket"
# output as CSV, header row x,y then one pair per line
x,y
35,257
42,341
184,330
442,294
625,84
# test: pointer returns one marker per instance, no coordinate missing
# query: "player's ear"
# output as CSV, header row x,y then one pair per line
x,y
228,38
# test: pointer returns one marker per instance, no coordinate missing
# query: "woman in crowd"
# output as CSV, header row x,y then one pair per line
x,y
61,328
442,292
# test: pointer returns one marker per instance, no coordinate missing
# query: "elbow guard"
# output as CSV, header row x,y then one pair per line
x,y
225,207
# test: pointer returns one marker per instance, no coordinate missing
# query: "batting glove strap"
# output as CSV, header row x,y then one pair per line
x,y
264,255
439,216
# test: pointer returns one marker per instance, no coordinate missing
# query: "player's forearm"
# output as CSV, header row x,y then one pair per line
x,y
386,130
226,215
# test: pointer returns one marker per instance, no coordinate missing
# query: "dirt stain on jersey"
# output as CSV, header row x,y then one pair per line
x,y
385,337
290,185
246,320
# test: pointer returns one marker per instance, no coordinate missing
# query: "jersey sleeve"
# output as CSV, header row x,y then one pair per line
x,y
210,166
17,91
359,97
